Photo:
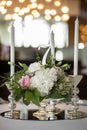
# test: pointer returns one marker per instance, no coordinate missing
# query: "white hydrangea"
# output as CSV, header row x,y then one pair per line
x,y
53,74
34,67
44,80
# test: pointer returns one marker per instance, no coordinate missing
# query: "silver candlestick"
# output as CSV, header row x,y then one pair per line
x,y
11,104
74,113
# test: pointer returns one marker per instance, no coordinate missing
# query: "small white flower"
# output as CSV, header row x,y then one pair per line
x,y
59,71
34,67
61,86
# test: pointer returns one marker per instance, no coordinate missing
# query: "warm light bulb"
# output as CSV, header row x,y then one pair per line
x,y
26,10
48,0
57,18
16,9
57,3
4,11
33,1
35,13
9,3
65,17
21,12
8,17
1,8
47,11
15,16
53,12
47,17
3,2
65,9
33,5
21,1
40,6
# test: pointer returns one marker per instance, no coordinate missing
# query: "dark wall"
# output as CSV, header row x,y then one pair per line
x,y
4,71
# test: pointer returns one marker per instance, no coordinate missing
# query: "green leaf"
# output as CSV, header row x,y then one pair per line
x,y
59,63
33,96
36,97
65,67
36,100
11,63
28,97
17,93
36,92
23,65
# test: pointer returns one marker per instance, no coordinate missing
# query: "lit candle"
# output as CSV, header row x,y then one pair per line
x,y
12,50
52,47
76,37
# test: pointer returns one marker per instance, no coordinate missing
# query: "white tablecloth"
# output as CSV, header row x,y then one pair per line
x,y
11,124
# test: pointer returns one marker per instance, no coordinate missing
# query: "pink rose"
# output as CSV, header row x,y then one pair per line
x,y
25,81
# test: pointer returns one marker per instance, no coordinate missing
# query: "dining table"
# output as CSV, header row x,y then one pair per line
x,y
57,124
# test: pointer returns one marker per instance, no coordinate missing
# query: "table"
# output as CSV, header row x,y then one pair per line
x,y
11,124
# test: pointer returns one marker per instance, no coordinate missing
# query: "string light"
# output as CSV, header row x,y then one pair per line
x,y
49,9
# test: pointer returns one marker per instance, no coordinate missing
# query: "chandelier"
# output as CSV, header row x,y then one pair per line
x,y
58,10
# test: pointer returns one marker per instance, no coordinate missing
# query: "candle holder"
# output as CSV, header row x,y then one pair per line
x,y
50,109
74,113
11,104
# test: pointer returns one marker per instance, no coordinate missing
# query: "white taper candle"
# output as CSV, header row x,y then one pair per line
x,y
12,50
76,37
52,43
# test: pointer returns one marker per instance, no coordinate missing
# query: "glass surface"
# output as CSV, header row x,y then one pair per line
x,y
62,115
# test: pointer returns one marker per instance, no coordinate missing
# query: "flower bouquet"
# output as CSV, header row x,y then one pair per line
x,y
36,82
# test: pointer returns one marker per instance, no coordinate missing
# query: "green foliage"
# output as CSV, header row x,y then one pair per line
x,y
26,94
57,64
60,89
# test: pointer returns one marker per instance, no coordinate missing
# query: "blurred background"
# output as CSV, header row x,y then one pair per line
x,y
33,21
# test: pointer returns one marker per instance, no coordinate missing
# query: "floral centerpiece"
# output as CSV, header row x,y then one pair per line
x,y
35,82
